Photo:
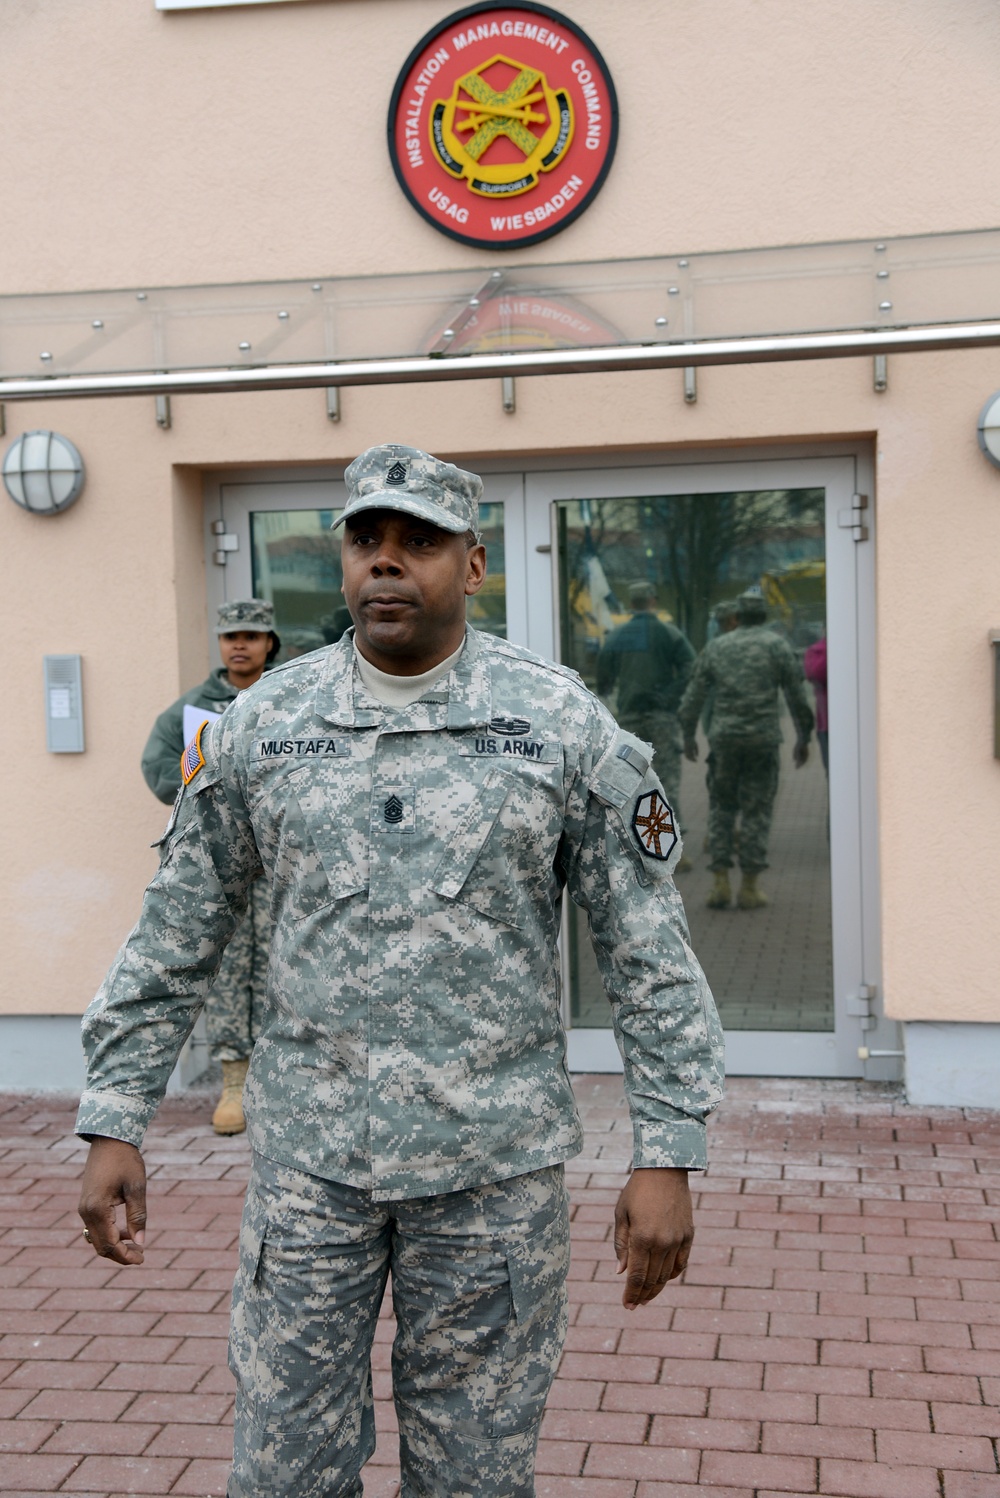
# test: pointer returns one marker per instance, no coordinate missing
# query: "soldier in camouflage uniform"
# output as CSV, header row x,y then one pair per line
x,y
419,794
248,643
650,662
741,674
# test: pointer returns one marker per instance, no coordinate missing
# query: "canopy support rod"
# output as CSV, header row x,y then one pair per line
x,y
486,366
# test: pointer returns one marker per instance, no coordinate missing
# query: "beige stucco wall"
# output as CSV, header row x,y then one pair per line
x,y
247,144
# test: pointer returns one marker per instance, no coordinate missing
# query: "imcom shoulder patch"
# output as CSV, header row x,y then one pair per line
x,y
655,825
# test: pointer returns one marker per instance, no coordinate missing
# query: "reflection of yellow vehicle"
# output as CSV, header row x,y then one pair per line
x,y
797,594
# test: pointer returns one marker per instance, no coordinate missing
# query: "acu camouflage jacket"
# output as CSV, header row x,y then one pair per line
x,y
412,1042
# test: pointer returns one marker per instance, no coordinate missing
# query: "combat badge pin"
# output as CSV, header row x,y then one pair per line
x,y
655,825
508,725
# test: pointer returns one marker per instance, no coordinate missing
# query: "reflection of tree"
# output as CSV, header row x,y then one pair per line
x,y
697,548
702,535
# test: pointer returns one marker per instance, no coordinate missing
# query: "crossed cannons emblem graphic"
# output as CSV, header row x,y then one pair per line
x,y
464,128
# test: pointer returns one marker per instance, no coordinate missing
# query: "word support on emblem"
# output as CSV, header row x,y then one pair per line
x,y
655,825
503,124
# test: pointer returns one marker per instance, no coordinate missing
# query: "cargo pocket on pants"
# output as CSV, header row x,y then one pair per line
x,y
244,1321
536,1330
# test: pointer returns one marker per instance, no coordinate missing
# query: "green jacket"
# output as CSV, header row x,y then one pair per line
x,y
650,661
741,674
161,758
417,858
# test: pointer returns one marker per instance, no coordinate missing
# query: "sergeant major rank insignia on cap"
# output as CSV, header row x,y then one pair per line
x,y
396,473
655,825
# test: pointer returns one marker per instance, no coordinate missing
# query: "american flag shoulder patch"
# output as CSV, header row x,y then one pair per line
x,y
192,759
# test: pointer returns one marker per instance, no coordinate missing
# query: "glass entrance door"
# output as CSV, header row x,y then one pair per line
x,y
719,605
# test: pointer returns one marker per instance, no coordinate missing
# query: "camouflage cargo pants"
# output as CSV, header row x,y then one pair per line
x,y
479,1293
234,1007
742,781
663,731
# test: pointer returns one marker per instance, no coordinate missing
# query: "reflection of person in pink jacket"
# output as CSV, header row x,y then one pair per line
x,y
814,666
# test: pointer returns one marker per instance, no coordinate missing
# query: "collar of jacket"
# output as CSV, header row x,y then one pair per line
x,y
469,693
217,687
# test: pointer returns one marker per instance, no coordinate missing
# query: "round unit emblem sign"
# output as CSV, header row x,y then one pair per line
x,y
503,125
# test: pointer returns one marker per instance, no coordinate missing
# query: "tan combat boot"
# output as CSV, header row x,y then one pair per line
x,y
721,896
750,897
228,1116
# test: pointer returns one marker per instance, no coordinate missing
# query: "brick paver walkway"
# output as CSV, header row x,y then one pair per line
x,y
837,1331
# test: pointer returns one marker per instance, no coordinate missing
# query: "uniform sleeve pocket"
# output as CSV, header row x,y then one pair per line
x,y
618,773
644,820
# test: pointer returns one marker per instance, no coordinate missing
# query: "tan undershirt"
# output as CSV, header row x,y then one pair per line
x,y
400,691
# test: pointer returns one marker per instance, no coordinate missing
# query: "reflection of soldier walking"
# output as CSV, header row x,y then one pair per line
x,y
743,672
651,663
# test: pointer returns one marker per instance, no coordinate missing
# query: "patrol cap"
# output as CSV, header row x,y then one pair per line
x,y
394,477
751,604
246,614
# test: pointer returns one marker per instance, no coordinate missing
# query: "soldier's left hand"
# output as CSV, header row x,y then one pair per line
x,y
654,1230
691,749
800,754
114,1175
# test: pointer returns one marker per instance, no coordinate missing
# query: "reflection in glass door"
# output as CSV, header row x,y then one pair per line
x,y
651,588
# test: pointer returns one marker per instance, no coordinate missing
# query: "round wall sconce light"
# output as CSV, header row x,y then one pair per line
x,y
43,472
989,429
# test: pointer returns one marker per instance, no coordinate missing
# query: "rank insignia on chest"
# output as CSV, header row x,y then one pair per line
x,y
192,759
393,811
655,825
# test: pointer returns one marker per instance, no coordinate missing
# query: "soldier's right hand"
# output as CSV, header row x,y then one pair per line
x,y
114,1176
691,749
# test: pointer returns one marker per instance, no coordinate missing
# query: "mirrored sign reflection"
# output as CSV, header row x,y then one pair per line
x,y
700,620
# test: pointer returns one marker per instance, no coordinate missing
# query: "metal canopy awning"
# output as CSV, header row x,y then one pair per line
x,y
747,306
